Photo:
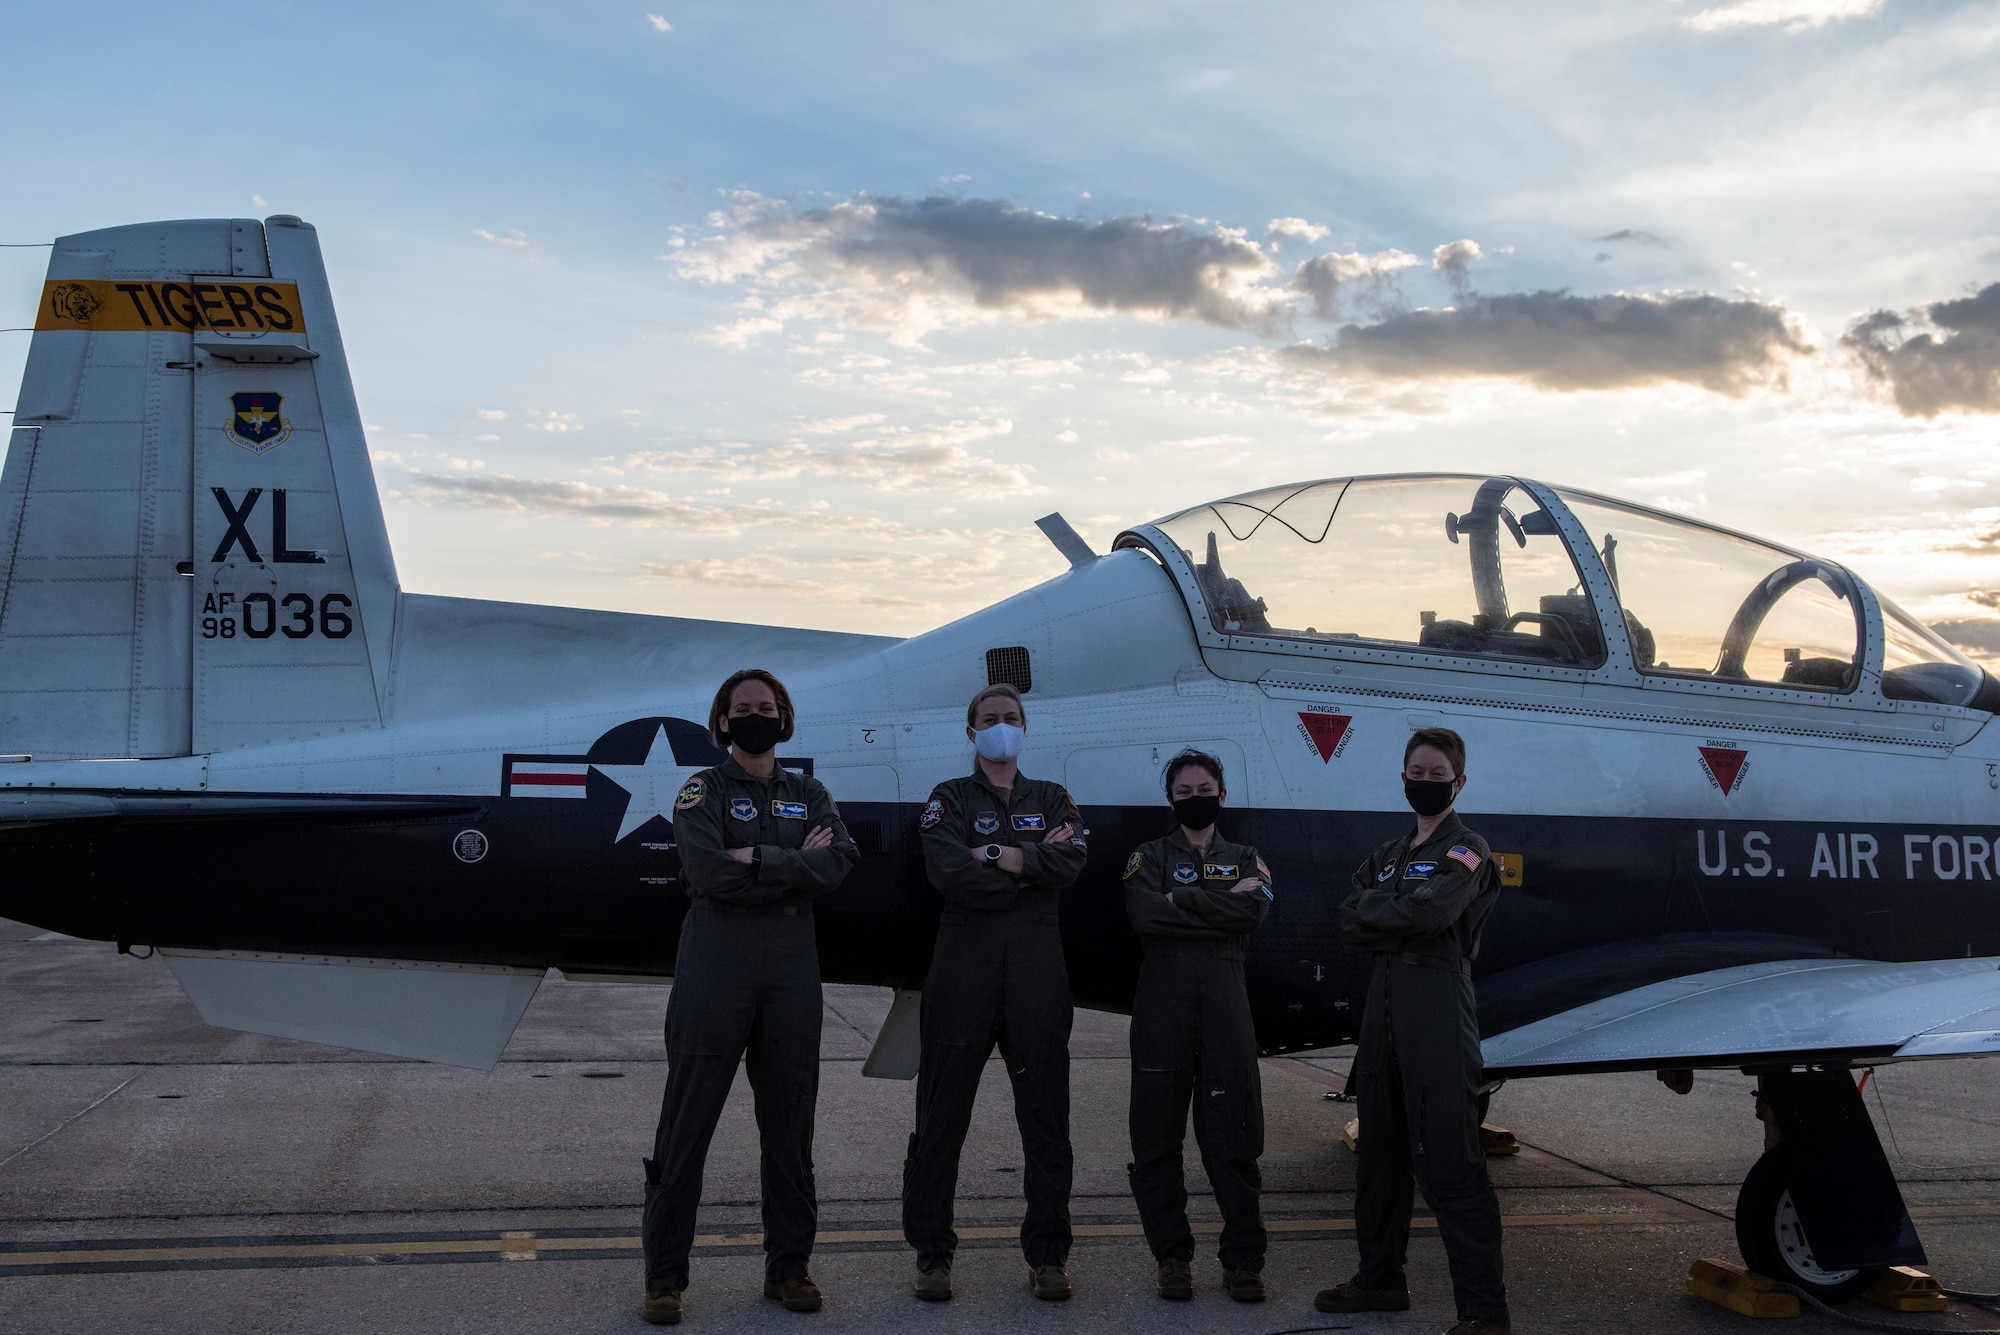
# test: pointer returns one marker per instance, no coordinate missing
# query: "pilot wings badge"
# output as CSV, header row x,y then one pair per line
x,y
255,424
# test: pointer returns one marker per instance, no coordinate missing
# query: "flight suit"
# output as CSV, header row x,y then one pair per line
x,y
997,975
746,981
1193,1040
1420,911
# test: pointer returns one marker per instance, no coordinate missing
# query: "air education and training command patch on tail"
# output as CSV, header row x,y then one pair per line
x,y
691,794
1132,864
254,423
1465,856
933,815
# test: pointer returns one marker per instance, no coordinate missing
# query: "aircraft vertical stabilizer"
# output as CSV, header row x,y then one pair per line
x,y
192,551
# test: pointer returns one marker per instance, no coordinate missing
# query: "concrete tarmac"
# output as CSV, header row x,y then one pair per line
x,y
159,1175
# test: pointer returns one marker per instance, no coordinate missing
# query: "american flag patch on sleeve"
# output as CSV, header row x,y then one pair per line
x,y
1461,854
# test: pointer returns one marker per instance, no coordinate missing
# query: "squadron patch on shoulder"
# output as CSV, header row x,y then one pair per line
x,y
986,822
1420,871
1461,854
933,815
1184,873
788,810
1030,821
742,808
1387,873
690,796
1132,863
1219,871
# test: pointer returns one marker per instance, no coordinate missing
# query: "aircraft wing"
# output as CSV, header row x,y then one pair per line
x,y
1782,1011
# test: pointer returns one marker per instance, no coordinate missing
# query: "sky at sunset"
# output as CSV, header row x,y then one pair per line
x,y
803,313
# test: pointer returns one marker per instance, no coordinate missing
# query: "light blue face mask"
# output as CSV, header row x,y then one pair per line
x,y
1000,741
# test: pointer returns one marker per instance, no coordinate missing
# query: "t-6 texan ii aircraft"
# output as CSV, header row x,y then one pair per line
x,y
1747,811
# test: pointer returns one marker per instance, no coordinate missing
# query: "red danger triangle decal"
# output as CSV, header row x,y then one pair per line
x,y
1325,732
1723,765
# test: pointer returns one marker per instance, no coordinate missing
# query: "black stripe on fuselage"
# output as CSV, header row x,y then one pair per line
x,y
1606,903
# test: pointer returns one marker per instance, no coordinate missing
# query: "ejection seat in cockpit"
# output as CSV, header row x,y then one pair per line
x,y
1234,610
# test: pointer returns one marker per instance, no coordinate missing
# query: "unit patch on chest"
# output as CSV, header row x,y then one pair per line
x,y
788,810
1184,873
1387,873
986,822
1219,871
1031,821
742,808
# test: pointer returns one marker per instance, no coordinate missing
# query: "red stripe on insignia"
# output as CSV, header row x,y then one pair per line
x,y
551,780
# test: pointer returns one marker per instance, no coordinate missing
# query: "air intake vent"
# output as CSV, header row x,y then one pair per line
x,y
1010,665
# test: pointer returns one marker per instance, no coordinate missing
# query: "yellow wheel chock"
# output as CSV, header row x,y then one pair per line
x,y
1729,1285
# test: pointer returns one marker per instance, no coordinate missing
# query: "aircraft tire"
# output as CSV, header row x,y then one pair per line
x,y
1772,1242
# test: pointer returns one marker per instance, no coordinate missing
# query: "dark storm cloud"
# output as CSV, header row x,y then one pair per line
x,y
1562,342
1980,635
1004,256
1952,364
1369,280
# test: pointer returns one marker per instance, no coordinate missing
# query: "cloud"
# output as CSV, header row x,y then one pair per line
x,y
633,505
830,426
1557,341
909,266
1635,236
1453,262
896,461
1977,635
555,422
517,242
659,24
493,414
1795,15
1938,357
1296,227
1323,278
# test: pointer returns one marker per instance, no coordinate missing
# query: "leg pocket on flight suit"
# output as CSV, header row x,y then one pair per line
x,y
1446,1155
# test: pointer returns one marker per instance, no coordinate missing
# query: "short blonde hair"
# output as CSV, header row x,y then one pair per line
x,y
720,709
987,693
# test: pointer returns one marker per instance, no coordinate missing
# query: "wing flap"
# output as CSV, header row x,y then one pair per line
x,y
1797,1010
458,1014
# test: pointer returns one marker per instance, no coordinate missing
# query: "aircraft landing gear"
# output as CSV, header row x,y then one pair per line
x,y
1821,1210
1774,1243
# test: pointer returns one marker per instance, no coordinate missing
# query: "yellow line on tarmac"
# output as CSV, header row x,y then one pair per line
x,y
525,1246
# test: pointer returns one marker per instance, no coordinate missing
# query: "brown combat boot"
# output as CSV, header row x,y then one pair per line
x,y
1351,1297
1245,1286
934,1286
1176,1280
799,1294
663,1307
1050,1283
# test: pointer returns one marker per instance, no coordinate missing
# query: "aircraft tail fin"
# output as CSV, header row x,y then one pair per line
x,y
192,551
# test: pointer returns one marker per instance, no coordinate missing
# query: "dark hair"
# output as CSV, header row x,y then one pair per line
x,y
1445,740
720,709
1198,759
988,692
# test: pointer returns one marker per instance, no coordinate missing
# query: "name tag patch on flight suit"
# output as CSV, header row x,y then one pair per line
x,y
1030,822
985,822
1460,853
788,810
742,808
1420,871
1184,873
1218,871
933,814
691,794
1132,864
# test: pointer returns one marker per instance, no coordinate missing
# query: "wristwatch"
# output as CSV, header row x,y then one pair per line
x,y
757,856
992,853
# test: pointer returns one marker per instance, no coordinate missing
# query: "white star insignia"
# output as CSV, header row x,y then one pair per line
x,y
653,785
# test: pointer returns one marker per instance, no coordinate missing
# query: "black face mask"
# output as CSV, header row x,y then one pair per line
x,y
1197,813
754,734
1428,797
